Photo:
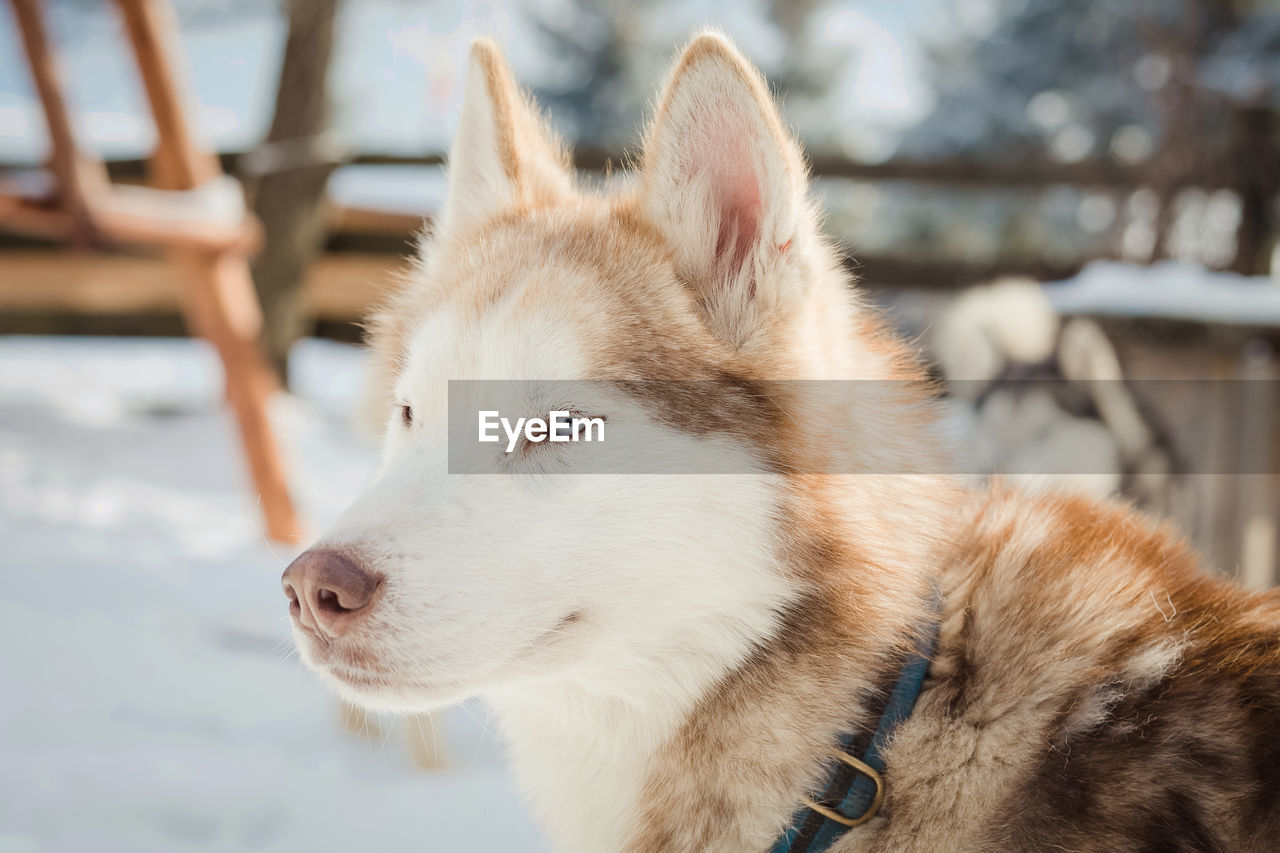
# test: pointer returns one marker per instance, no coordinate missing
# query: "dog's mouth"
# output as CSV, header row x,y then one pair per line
x,y
345,661
385,692
323,653
369,680
360,674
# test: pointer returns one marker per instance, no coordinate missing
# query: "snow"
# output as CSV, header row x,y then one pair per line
x,y
417,190
153,702
1169,290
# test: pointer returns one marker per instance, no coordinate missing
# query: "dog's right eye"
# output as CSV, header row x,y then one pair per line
x,y
406,415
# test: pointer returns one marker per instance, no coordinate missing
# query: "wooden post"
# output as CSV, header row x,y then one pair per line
x,y
80,178
221,303
1255,176
287,177
1258,533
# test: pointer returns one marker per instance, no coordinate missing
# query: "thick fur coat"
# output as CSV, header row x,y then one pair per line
x,y
672,657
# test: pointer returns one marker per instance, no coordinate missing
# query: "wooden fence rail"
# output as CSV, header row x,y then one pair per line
x,y
1030,173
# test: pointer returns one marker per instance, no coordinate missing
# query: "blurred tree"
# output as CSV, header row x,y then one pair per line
x,y
809,72
1244,70
1123,82
1190,122
806,72
1040,80
286,177
585,80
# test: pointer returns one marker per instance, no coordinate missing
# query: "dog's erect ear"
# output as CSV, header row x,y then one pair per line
x,y
725,182
502,154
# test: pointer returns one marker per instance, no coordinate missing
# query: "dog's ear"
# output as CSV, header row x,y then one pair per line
x,y
502,154
725,182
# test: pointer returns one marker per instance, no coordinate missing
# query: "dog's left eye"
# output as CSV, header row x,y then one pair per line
x,y
576,428
406,415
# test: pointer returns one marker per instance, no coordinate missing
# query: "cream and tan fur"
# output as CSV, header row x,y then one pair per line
x,y
673,657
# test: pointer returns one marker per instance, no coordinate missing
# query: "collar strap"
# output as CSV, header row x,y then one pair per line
x,y
855,785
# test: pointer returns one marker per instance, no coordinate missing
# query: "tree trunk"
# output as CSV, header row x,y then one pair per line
x,y
287,177
1256,178
1178,161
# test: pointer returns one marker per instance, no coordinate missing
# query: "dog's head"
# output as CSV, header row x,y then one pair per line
x,y
707,264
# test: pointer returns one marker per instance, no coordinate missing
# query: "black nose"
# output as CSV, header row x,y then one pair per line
x,y
329,591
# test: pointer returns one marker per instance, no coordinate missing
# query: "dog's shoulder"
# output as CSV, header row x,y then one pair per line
x,y
1094,681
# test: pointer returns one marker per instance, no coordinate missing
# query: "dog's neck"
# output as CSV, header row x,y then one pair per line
x,y
699,752
583,747
582,758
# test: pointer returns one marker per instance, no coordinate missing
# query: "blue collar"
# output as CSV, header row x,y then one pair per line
x,y
855,787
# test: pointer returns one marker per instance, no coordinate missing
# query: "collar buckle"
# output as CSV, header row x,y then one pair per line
x,y
872,808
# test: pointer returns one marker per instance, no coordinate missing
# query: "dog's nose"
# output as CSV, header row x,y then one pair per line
x,y
328,591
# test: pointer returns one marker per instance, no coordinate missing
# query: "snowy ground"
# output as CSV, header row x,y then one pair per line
x,y
151,702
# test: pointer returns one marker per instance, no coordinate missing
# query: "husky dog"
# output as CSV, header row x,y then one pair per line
x,y
679,662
